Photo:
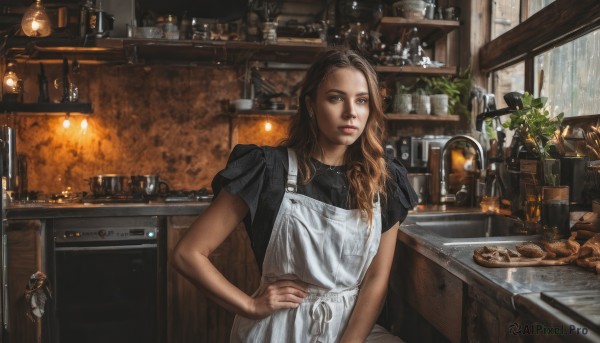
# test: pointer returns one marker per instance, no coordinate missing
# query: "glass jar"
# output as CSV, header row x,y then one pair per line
x,y
269,32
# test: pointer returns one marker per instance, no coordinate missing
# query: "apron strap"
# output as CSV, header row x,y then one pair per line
x,y
292,177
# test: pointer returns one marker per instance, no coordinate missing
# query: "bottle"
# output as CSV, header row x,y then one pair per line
x,y
43,86
415,50
86,13
492,191
513,171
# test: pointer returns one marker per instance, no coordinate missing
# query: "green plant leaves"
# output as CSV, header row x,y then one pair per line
x,y
536,125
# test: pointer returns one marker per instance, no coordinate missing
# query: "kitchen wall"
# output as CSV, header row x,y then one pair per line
x,y
147,119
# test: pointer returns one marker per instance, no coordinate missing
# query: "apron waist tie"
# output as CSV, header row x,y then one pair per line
x,y
321,311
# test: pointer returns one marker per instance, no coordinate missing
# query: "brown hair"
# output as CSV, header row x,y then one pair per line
x,y
366,168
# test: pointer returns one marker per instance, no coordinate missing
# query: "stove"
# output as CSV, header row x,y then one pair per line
x,y
172,196
186,196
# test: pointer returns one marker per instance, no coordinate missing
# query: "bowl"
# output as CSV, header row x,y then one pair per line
x,y
410,9
242,104
149,32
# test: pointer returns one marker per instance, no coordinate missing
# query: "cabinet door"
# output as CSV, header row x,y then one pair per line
x,y
191,316
24,259
421,289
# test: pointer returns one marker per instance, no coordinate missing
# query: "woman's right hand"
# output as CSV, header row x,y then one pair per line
x,y
278,295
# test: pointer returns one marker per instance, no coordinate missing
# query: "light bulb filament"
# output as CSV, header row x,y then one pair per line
x,y
35,25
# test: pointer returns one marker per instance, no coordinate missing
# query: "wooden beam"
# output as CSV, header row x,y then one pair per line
x,y
559,22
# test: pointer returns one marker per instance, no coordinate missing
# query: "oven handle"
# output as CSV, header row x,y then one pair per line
x,y
110,247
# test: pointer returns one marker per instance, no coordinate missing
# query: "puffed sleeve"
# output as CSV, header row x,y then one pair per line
x,y
243,175
401,197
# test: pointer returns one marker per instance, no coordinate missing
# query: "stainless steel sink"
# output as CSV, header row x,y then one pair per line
x,y
463,228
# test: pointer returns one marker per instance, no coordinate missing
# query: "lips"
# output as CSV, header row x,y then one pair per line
x,y
348,129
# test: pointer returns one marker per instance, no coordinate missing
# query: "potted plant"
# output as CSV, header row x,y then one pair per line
x,y
420,98
402,99
537,129
456,90
442,90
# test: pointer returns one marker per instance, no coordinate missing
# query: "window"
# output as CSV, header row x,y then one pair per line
x,y
505,16
571,79
535,5
558,44
509,79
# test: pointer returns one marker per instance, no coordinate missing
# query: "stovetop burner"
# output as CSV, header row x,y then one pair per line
x,y
183,195
201,195
114,199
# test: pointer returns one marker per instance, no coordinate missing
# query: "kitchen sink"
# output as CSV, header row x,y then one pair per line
x,y
461,227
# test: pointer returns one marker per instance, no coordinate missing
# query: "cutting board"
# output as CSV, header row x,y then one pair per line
x,y
582,305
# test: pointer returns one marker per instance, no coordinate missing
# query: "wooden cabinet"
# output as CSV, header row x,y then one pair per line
x,y
191,316
24,259
425,300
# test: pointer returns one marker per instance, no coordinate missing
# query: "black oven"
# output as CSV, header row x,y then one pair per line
x,y
108,280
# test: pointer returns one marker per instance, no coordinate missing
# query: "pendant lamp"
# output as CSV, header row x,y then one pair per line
x,y
35,22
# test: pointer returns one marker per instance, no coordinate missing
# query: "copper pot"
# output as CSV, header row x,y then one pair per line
x,y
109,184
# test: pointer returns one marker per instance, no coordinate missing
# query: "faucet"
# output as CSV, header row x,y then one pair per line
x,y
443,174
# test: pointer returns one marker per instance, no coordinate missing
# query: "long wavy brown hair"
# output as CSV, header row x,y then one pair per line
x,y
364,159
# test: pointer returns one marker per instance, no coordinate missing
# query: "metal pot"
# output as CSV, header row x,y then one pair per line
x,y
109,184
148,185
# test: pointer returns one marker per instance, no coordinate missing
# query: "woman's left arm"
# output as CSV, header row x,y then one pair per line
x,y
373,290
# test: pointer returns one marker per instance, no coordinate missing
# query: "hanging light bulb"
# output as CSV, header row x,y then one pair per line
x,y
10,79
66,122
35,22
268,126
84,124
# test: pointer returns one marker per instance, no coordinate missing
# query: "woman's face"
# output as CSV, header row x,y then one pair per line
x,y
342,108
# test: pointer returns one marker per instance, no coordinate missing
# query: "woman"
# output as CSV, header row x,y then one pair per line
x,y
321,211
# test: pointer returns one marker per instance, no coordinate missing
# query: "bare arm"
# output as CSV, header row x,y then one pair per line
x,y
373,290
190,258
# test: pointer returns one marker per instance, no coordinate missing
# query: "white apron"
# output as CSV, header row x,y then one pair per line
x,y
329,248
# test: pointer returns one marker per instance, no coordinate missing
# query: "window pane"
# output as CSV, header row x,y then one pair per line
x,y
510,79
571,79
505,16
536,5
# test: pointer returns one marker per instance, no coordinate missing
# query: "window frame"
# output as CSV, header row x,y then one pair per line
x,y
556,24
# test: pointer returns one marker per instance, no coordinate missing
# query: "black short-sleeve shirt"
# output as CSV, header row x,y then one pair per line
x,y
259,174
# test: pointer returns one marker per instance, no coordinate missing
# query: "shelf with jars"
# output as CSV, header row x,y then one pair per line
x,y
141,50
430,29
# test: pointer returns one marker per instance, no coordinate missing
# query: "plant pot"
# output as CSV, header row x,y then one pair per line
x,y
439,104
410,9
403,103
421,104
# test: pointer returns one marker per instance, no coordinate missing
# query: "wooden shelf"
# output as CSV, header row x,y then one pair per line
x,y
422,117
50,108
155,51
429,30
416,70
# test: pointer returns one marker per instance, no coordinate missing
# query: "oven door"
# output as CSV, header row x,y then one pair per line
x,y
107,294
106,284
